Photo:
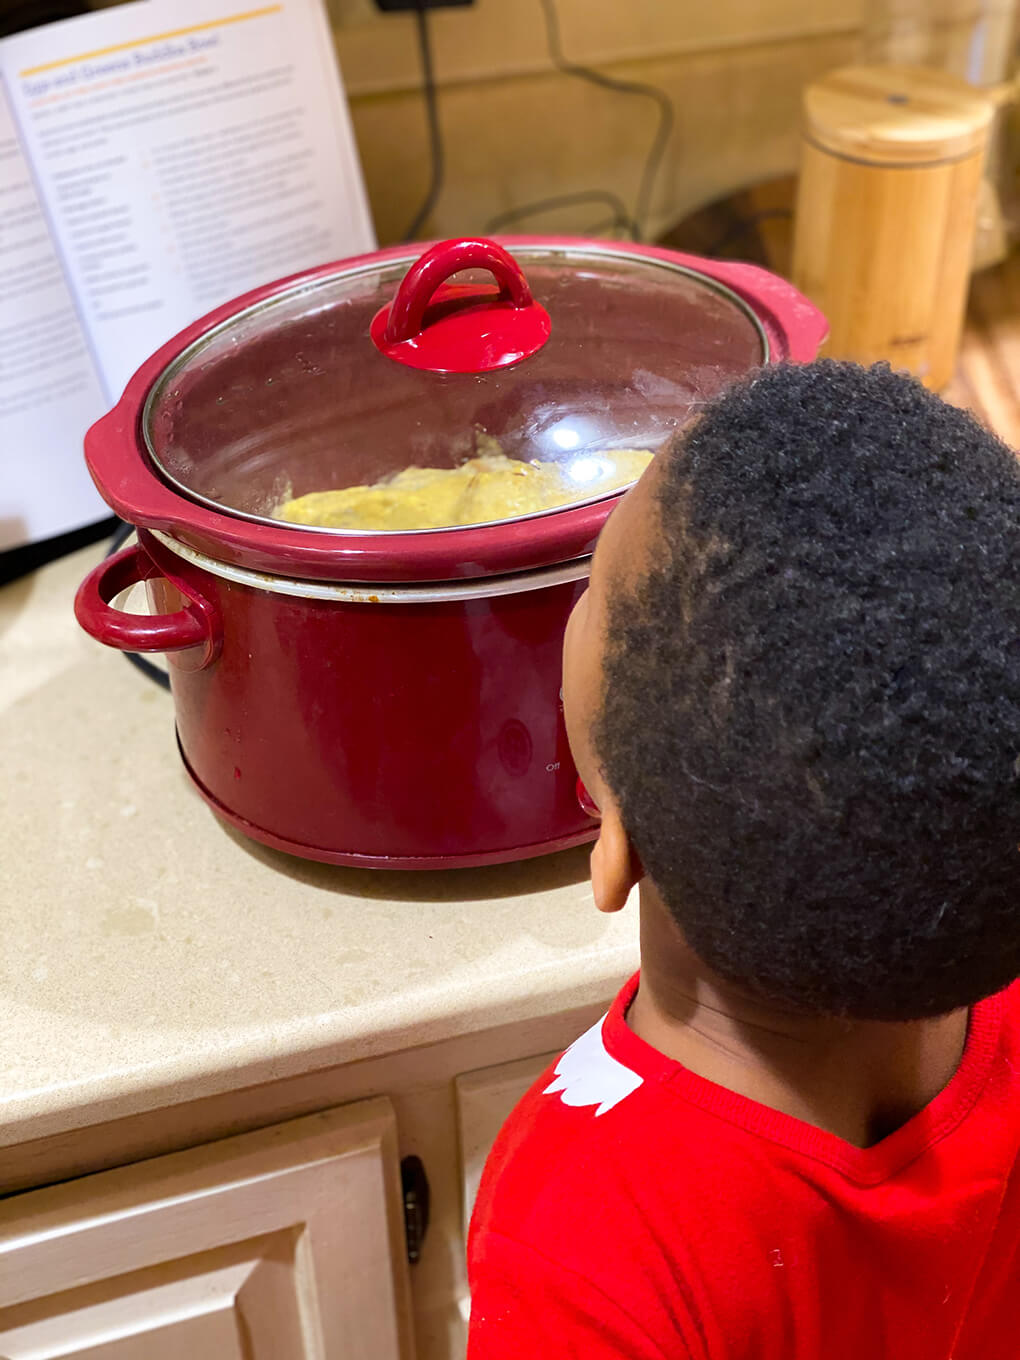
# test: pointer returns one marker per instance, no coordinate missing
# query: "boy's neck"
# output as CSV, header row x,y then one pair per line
x,y
859,1080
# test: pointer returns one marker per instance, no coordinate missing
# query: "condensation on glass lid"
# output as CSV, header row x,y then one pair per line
x,y
485,488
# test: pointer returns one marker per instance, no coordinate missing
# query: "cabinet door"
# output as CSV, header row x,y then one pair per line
x,y
484,1099
283,1244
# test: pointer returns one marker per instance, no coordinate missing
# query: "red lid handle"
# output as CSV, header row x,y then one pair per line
x,y
407,311
450,328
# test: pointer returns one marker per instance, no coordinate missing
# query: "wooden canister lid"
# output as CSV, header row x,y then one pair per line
x,y
896,115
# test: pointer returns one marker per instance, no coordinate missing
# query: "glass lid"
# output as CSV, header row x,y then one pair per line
x,y
382,398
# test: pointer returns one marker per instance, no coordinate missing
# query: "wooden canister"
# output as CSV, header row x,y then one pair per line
x,y
891,164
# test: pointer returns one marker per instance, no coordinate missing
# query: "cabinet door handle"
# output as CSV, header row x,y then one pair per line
x,y
416,1206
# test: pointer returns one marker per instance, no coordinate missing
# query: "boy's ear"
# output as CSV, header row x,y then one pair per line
x,y
615,868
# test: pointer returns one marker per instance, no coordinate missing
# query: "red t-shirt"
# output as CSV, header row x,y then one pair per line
x,y
631,1208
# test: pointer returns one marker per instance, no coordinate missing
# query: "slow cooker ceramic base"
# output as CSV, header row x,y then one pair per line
x,y
473,861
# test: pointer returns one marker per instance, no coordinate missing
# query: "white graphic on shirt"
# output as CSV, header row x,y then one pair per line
x,y
588,1075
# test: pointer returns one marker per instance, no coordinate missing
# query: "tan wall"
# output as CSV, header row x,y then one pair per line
x,y
516,130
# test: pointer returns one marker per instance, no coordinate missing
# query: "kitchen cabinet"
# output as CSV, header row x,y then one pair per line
x,y
285,1244
269,1217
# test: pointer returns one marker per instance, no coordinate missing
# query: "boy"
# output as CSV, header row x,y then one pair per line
x,y
793,690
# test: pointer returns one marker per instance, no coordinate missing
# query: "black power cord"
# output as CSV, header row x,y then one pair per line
x,y
432,116
156,673
620,219
663,131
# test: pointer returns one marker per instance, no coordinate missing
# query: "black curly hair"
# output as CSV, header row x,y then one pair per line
x,y
810,715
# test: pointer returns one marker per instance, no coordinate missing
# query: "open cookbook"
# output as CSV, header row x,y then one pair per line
x,y
156,159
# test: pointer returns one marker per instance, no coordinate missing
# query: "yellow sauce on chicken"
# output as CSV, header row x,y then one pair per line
x,y
489,486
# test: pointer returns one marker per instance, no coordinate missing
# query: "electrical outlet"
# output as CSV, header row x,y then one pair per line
x,y
388,6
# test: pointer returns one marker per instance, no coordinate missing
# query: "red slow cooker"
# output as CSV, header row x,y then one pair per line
x,y
391,698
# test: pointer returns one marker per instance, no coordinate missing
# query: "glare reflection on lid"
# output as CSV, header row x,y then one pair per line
x,y
565,436
582,471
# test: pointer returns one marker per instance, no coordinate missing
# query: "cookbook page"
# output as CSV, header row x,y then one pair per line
x,y
186,150
49,389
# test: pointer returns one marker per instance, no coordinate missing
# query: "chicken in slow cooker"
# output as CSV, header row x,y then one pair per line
x,y
489,486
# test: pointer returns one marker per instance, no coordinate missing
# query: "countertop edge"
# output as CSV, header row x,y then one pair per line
x,y
113,1096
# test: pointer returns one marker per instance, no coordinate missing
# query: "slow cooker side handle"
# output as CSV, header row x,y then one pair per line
x,y
197,626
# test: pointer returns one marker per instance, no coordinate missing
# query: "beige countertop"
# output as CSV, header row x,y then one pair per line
x,y
148,955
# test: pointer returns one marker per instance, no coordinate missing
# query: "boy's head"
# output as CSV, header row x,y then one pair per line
x,y
794,688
